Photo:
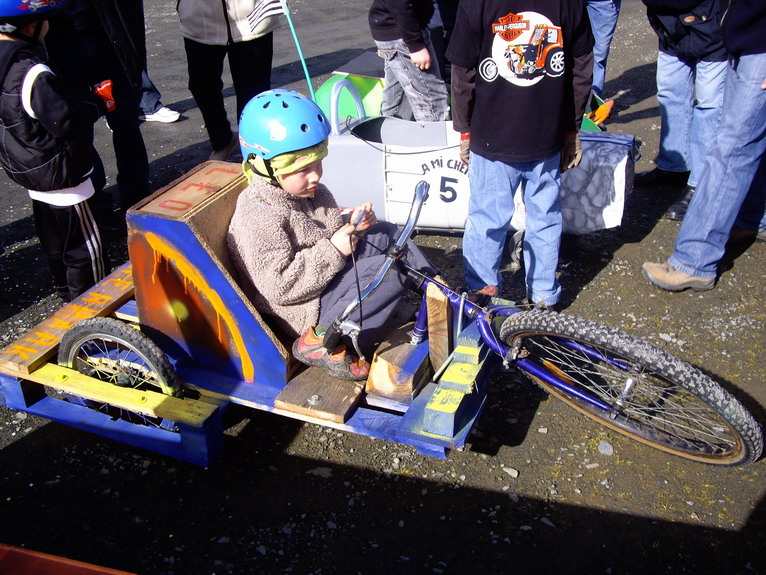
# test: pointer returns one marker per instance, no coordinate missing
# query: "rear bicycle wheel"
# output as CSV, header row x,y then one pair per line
x,y
657,399
117,354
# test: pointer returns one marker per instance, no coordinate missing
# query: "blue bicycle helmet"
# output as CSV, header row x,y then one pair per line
x,y
15,14
276,122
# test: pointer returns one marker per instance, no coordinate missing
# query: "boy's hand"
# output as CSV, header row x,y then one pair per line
x,y
465,147
363,217
421,59
344,240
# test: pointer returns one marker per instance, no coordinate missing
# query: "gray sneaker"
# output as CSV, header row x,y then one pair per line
x,y
669,278
515,246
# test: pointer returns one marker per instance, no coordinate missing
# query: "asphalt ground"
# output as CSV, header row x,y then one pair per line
x,y
532,493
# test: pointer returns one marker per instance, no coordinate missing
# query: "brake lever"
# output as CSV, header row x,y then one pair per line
x,y
352,330
346,327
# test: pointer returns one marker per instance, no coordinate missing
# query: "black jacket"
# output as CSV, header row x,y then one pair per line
x,y
688,29
743,26
394,19
50,152
120,21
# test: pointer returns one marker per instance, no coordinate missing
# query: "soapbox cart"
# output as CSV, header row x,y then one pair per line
x,y
153,354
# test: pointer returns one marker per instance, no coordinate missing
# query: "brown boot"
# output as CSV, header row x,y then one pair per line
x,y
669,278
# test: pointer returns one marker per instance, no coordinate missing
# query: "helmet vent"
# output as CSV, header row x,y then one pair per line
x,y
304,128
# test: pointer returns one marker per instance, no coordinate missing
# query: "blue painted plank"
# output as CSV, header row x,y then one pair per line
x,y
200,446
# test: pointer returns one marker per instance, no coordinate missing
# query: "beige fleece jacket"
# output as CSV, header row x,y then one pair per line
x,y
280,246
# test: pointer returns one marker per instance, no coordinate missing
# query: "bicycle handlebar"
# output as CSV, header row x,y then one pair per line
x,y
341,326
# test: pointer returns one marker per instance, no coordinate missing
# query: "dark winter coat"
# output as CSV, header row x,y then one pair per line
x,y
687,29
50,152
743,26
400,19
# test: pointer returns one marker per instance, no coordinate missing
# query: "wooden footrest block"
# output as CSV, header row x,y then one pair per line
x,y
315,393
399,369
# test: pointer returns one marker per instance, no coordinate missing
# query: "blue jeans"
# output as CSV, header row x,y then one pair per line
x,y
490,210
603,16
409,91
752,214
687,127
150,96
729,174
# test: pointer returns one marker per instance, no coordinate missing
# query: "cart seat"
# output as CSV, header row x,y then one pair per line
x,y
186,293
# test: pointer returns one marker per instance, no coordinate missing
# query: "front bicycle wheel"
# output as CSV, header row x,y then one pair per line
x,y
654,397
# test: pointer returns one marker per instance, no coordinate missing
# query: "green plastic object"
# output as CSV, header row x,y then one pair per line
x,y
370,89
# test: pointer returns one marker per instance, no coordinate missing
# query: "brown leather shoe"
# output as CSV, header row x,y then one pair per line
x,y
661,178
677,210
669,278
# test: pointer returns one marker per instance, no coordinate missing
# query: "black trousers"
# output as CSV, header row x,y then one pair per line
x,y
250,65
85,59
72,244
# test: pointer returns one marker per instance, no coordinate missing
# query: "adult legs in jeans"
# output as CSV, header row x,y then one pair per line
x,y
729,172
708,88
407,88
603,16
752,215
686,127
490,211
150,95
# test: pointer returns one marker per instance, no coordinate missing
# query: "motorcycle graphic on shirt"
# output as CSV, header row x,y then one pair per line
x,y
526,48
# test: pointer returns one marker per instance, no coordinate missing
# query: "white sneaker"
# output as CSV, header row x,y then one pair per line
x,y
164,115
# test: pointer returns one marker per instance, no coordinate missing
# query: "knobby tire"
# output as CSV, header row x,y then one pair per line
x,y
114,352
672,405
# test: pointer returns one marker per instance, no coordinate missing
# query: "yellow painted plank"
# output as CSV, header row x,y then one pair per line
x,y
40,343
445,400
145,402
461,376
467,353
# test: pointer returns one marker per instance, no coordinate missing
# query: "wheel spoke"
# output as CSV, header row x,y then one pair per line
x,y
109,350
657,404
655,398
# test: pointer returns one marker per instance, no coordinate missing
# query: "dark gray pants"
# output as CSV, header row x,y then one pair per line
x,y
379,307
